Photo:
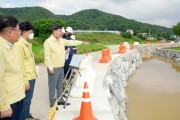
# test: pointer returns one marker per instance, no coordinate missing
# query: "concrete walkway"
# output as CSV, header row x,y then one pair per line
x,y
100,104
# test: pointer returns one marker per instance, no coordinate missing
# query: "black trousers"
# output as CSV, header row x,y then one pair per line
x,y
17,109
66,67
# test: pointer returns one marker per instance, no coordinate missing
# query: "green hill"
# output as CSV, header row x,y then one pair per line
x,y
27,13
98,20
86,19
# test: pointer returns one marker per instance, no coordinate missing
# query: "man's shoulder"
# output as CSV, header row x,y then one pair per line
x,y
2,47
3,50
19,43
47,40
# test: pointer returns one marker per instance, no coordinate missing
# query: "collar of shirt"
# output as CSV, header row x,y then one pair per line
x,y
10,45
61,38
53,38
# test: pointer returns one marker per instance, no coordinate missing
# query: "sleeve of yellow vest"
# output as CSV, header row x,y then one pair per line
x,y
47,56
72,42
3,90
20,49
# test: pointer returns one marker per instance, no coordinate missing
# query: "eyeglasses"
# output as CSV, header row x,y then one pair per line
x,y
20,31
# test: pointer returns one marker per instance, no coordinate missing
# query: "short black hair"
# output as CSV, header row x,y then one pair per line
x,y
55,27
8,21
25,26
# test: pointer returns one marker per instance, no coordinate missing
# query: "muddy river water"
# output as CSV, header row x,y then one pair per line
x,y
154,92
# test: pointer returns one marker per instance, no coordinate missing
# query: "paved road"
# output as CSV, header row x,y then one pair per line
x,y
40,104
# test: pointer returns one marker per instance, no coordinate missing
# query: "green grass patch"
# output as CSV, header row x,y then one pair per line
x,y
107,38
175,48
90,48
38,50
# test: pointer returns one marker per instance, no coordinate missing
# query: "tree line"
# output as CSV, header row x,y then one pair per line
x,y
90,19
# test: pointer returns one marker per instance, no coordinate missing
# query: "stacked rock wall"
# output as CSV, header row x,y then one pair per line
x,y
170,54
149,49
115,82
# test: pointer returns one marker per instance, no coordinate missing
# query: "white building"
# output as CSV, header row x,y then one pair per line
x,y
130,31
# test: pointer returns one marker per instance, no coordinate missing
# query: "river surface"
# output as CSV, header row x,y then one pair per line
x,y
154,92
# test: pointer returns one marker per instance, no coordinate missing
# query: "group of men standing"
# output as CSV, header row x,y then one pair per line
x,y
18,73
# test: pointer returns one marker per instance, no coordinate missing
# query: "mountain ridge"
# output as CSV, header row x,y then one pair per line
x,y
85,19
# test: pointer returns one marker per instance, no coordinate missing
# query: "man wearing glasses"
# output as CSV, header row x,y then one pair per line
x,y
12,89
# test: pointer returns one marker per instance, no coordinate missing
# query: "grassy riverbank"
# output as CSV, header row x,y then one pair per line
x,y
175,48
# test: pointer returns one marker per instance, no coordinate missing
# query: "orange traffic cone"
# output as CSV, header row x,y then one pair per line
x,y
109,54
105,56
157,42
148,42
122,49
86,110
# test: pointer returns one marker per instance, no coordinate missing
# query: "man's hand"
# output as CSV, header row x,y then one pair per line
x,y
7,113
67,51
75,48
27,86
51,72
86,43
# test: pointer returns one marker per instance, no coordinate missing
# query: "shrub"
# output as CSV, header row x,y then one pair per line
x,y
126,35
43,27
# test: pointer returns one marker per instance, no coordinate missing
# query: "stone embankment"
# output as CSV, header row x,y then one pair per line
x,y
160,50
170,54
115,81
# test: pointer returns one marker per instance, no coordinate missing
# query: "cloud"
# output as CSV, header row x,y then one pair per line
x,y
6,4
71,6
160,12
119,1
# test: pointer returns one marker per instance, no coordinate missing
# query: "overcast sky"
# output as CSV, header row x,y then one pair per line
x,y
159,12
